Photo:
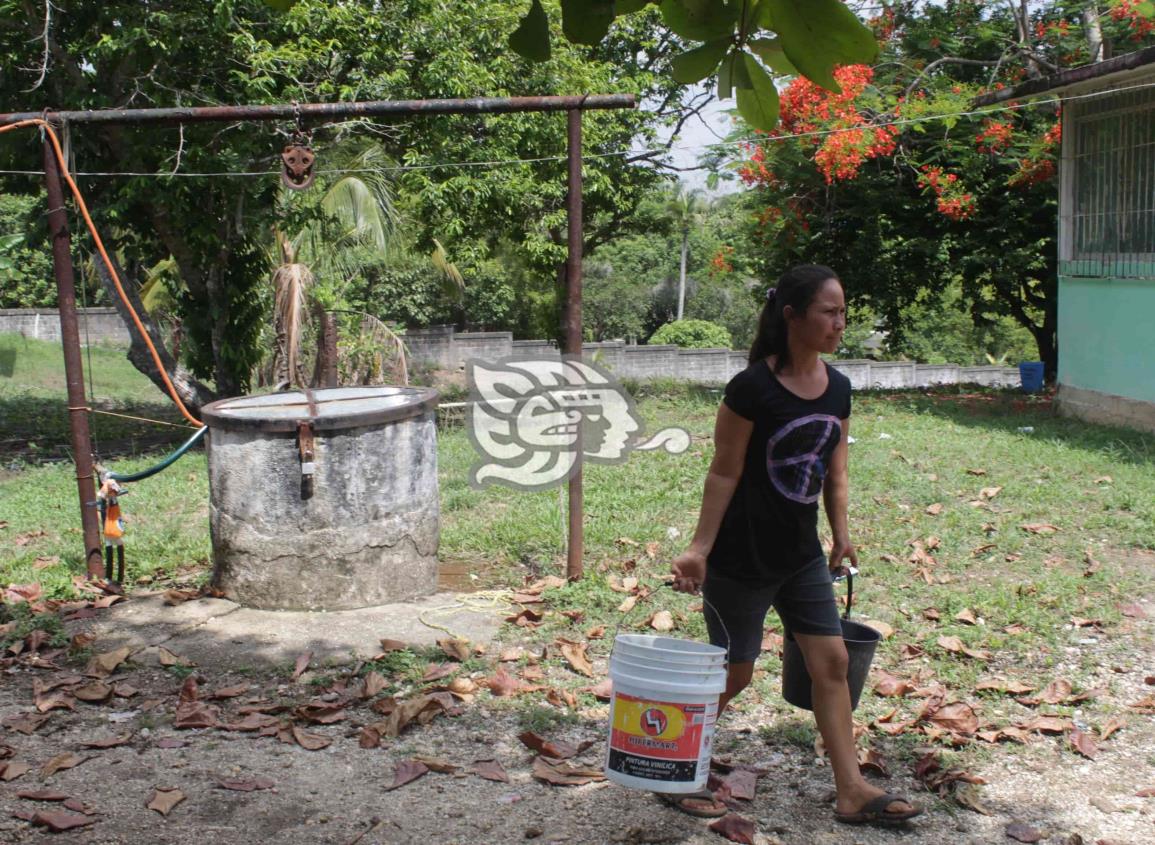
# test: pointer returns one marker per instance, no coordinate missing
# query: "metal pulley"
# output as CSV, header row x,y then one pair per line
x,y
297,157
297,164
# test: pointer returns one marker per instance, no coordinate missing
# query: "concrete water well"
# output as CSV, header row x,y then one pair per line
x,y
324,499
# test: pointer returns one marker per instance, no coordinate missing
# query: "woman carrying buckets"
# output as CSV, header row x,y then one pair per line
x,y
780,444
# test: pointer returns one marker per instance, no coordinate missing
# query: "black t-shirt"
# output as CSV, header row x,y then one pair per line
x,y
771,524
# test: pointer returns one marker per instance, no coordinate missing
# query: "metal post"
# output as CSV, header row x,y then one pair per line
x,y
573,329
73,364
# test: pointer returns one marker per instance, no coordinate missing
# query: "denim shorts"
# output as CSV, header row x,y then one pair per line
x,y
803,599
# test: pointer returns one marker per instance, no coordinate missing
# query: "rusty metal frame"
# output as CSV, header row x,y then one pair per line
x,y
62,258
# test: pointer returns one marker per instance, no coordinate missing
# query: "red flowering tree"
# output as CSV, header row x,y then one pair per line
x,y
901,184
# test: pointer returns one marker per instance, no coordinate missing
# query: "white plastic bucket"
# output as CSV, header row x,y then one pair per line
x,y
669,650
662,715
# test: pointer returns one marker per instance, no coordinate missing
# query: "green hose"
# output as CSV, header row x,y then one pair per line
x,y
165,464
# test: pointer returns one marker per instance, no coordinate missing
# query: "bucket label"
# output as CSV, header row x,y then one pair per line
x,y
660,740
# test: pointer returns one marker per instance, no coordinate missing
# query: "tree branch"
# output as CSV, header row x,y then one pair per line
x,y
944,60
47,47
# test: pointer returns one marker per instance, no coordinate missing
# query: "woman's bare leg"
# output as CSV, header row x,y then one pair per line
x,y
826,661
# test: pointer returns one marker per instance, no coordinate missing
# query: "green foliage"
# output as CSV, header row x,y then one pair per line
x,y
939,329
23,621
26,279
692,334
813,36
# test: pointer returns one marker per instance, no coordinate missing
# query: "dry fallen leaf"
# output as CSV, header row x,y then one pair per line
x,y
502,683
564,773
302,664
935,509
388,645
1110,726
67,760
662,621
58,822
1022,832
1040,528
246,785
103,665
490,770
736,828
966,616
163,800
308,741
956,646
956,716
890,686
870,760
628,605
1083,743
575,655
13,769
167,658
989,492
455,649
407,771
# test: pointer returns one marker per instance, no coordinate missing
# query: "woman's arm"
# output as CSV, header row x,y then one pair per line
x,y
731,436
835,496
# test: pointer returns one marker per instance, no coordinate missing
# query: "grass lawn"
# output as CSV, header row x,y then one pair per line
x,y
1024,545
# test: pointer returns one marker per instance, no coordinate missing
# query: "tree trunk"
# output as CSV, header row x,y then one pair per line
x,y
1094,33
1046,338
682,275
192,392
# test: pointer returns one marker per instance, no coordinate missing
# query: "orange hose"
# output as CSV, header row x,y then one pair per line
x,y
104,254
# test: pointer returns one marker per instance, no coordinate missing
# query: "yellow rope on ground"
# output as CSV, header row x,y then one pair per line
x,y
482,600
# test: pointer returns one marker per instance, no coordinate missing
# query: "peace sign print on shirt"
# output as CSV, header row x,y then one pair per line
x,y
798,454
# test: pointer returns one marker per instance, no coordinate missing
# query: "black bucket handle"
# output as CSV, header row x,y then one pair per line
x,y
849,576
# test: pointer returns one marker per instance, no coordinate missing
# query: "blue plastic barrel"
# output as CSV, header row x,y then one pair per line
x,y
1031,375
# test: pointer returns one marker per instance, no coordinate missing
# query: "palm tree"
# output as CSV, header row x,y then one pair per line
x,y
355,226
685,210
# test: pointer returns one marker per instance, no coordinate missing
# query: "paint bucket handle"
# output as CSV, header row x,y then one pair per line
x,y
717,616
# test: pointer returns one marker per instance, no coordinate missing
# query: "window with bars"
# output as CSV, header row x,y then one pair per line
x,y
1108,208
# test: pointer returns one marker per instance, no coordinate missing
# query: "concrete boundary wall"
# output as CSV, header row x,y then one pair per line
x,y
440,346
97,325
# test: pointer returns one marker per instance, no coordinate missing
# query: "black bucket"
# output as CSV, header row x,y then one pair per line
x,y
861,640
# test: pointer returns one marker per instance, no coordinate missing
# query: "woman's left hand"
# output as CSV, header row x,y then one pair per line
x,y
842,550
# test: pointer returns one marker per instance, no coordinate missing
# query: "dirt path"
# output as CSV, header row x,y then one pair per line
x,y
339,794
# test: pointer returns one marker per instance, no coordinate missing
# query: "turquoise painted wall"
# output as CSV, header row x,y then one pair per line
x,y
1107,335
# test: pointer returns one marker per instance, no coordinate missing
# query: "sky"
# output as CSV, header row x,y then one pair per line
x,y
711,126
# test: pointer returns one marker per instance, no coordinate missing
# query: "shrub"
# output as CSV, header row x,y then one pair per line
x,y
693,334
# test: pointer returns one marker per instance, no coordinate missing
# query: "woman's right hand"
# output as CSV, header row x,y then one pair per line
x,y
689,570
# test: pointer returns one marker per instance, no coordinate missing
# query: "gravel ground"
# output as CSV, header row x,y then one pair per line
x,y
339,794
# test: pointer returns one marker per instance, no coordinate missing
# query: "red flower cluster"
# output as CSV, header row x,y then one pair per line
x,y
883,25
995,137
1128,10
720,263
806,107
1040,168
952,200
755,171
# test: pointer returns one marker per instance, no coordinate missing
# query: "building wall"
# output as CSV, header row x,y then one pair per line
x,y
1107,336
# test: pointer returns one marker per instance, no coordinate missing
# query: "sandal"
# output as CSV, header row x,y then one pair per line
x,y
874,811
678,800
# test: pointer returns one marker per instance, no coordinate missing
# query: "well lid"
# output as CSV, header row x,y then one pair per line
x,y
328,409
